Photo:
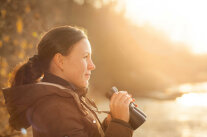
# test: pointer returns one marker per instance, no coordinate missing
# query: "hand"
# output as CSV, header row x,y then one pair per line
x,y
119,105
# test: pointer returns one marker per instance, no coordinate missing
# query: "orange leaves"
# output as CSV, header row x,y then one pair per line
x,y
21,55
3,66
37,16
15,42
6,38
1,43
3,72
30,46
3,13
34,34
27,9
19,25
24,44
4,63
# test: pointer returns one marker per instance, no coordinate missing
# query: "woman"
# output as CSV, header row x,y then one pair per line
x,y
56,105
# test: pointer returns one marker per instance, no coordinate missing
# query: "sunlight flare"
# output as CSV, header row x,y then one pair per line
x,y
182,20
193,99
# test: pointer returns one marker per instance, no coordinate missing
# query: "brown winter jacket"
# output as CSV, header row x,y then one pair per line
x,y
55,108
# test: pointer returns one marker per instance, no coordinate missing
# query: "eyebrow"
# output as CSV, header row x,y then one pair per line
x,y
87,52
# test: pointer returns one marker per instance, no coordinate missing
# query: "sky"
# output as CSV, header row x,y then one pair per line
x,y
182,20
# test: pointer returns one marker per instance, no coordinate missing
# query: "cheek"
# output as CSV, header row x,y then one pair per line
x,y
80,77
83,67
75,73
79,68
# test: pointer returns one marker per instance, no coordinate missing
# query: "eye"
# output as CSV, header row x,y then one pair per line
x,y
85,57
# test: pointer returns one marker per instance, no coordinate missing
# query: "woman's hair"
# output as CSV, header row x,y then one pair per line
x,y
57,40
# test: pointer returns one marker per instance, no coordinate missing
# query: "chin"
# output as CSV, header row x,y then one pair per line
x,y
84,85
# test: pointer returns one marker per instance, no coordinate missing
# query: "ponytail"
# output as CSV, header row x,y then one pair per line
x,y
27,73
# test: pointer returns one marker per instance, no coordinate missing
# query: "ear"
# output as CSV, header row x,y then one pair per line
x,y
58,59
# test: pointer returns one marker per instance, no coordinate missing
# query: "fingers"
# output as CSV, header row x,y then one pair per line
x,y
117,96
128,101
113,98
121,97
119,105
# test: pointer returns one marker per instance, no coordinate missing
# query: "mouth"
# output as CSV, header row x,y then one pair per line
x,y
88,76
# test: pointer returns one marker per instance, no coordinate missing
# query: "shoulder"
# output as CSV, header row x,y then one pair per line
x,y
46,89
53,107
53,103
55,115
55,97
54,94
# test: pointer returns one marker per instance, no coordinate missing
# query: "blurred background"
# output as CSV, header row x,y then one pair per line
x,y
154,49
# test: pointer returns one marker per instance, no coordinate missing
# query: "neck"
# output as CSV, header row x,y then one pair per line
x,y
52,78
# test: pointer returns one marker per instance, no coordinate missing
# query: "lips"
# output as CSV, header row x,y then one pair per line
x,y
88,75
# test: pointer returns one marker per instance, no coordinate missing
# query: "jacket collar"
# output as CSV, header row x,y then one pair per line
x,y
51,78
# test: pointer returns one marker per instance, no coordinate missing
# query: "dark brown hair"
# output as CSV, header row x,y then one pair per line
x,y
57,40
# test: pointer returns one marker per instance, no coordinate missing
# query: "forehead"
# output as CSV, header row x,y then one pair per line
x,y
82,46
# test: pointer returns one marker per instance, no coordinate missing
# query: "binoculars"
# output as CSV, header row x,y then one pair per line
x,y
137,116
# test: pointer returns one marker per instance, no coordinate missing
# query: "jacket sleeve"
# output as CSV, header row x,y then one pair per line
x,y
104,124
117,128
55,116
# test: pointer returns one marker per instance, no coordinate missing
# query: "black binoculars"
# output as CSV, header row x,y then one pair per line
x,y
137,116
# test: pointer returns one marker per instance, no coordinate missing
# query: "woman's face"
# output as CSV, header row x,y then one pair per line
x,y
77,66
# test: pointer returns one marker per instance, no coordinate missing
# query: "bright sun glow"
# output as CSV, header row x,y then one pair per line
x,y
193,94
183,20
196,87
193,99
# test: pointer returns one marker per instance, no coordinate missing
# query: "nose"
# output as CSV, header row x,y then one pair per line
x,y
91,65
